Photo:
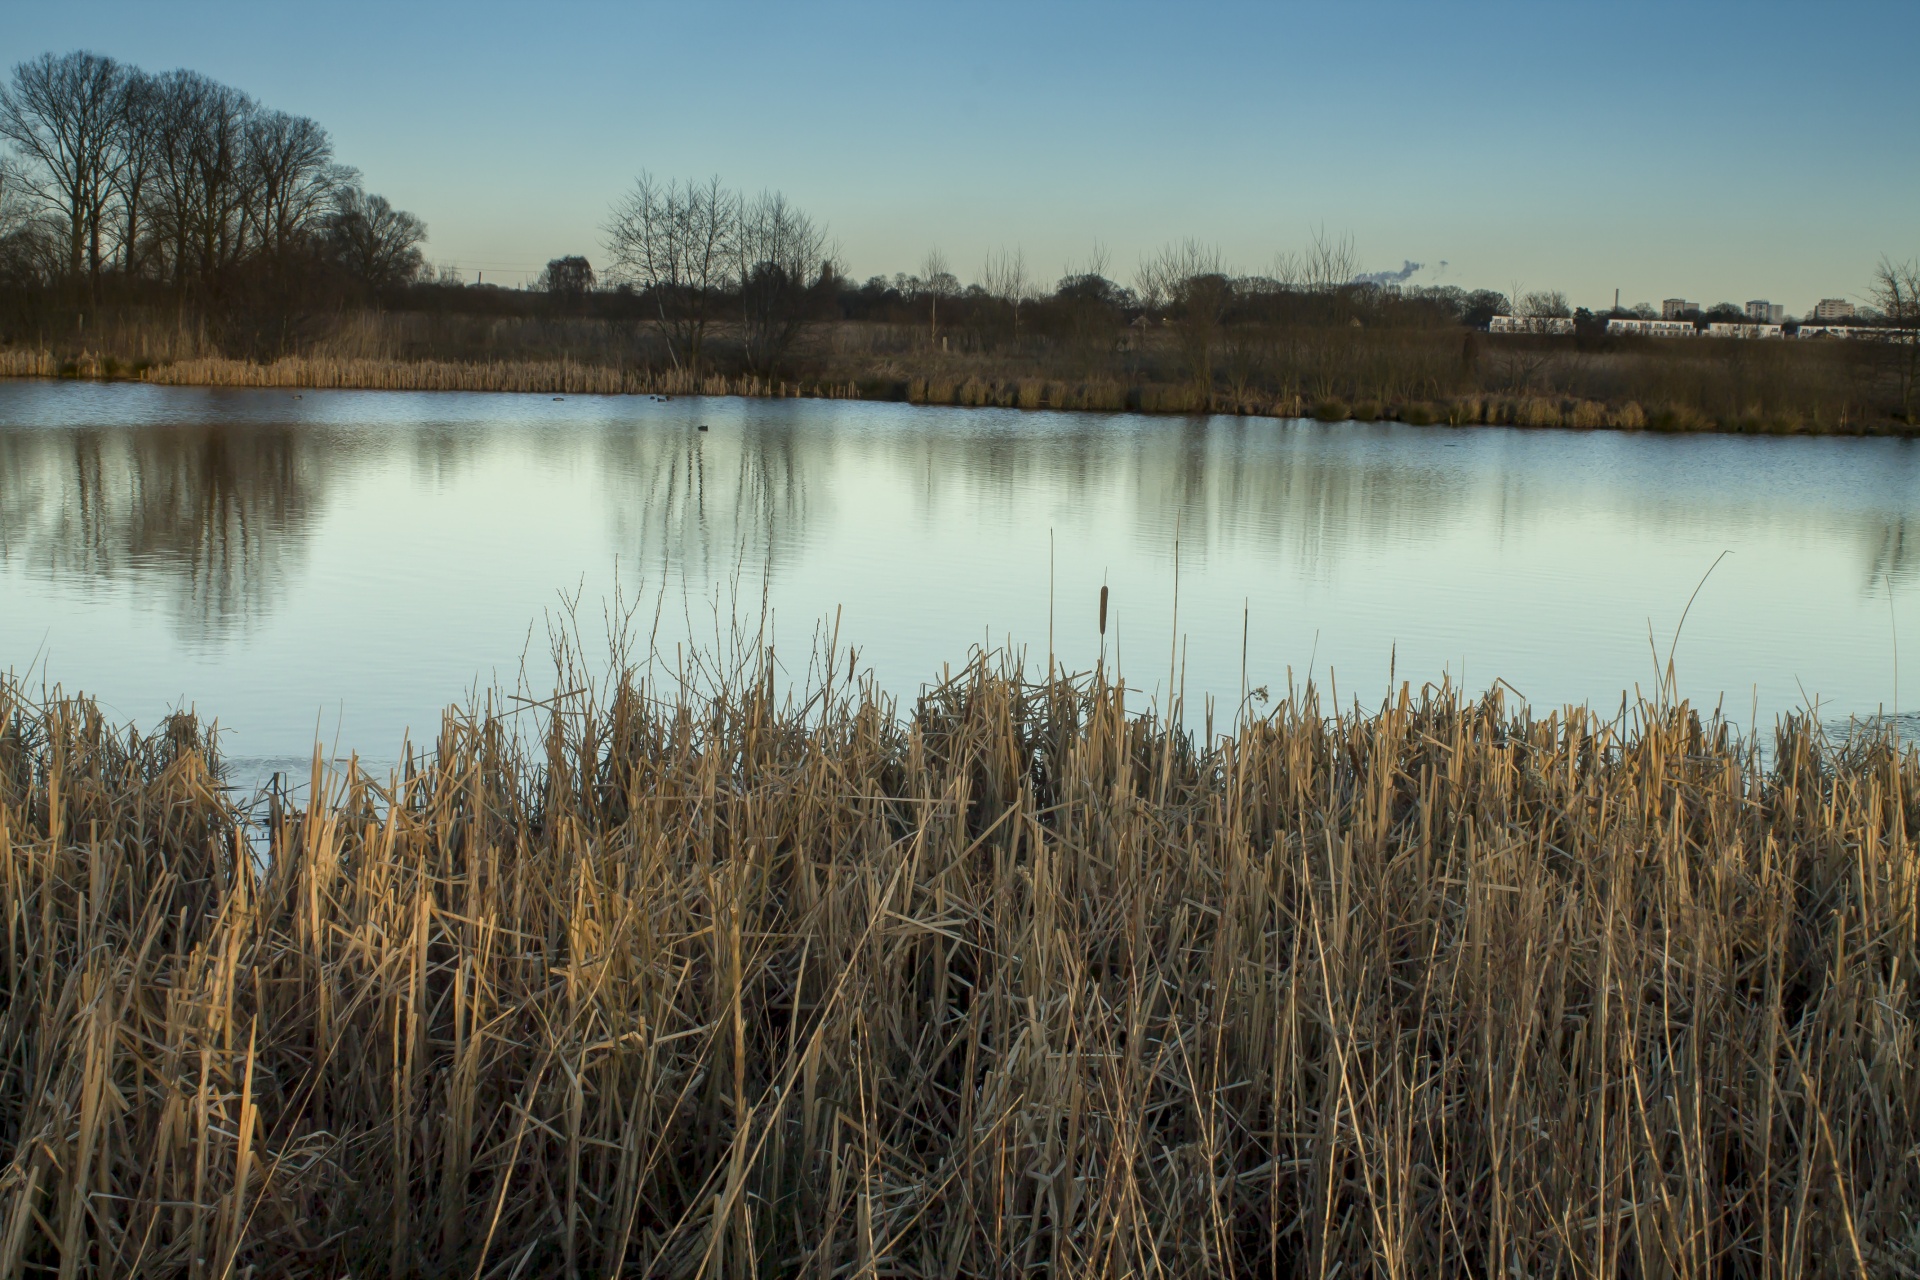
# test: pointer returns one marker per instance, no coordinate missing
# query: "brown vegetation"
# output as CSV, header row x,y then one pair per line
x,y
1417,376
706,982
171,227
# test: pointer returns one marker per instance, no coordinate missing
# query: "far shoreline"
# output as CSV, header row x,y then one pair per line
x,y
566,377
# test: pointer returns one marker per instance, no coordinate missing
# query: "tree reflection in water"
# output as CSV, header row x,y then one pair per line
x,y
704,508
212,517
1891,554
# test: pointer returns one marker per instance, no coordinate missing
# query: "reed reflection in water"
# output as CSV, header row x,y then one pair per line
x,y
347,562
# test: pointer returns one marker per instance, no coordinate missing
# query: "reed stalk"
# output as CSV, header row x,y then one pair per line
x,y
1810,391
707,980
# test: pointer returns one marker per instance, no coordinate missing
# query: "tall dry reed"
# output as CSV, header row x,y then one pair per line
x,y
1414,376
564,376
711,982
19,362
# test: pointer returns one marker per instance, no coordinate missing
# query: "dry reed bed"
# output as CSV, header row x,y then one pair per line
x,y
563,376
888,382
710,983
21,362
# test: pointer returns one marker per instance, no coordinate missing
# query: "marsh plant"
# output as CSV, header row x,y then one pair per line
x,y
693,977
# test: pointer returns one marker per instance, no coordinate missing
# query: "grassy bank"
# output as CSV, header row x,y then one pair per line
x,y
709,983
1106,394
1421,375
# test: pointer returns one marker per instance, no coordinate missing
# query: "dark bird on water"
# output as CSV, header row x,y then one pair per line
x,y
703,426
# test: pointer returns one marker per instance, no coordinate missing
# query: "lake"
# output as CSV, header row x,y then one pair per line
x,y
337,566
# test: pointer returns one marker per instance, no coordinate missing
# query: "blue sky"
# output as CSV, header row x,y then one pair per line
x,y
1712,151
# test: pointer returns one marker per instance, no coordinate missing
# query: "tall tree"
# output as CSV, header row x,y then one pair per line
x,y
1189,281
780,255
1896,292
24,242
131,183
289,179
1005,278
219,164
568,278
937,281
372,241
678,242
63,113
196,139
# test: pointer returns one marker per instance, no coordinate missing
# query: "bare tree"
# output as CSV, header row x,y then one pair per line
x,y
30,248
1005,277
1896,294
1189,280
1092,308
170,111
1545,304
63,113
1328,263
15,211
180,177
198,130
219,163
374,242
289,179
138,156
568,278
1288,271
1094,268
677,243
937,281
780,253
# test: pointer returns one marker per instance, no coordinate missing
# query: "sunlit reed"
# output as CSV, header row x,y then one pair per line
x,y
712,981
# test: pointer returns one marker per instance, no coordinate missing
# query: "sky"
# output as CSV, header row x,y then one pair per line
x,y
1712,151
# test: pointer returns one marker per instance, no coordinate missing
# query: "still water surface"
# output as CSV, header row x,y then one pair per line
x,y
340,565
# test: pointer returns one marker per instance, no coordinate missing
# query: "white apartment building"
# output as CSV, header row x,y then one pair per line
x,y
1760,311
1674,308
1530,324
1654,328
1833,309
1863,333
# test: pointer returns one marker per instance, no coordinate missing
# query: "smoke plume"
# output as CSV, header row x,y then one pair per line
x,y
1405,273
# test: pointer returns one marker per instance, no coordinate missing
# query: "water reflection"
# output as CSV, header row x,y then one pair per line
x,y
1891,555
214,516
389,549
210,517
702,508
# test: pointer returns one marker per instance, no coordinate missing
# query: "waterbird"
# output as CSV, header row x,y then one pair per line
x,y
703,426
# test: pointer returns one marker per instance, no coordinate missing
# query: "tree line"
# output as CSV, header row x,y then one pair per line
x,y
693,256
119,182
123,187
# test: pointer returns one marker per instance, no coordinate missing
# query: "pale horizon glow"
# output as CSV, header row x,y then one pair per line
x,y
1712,151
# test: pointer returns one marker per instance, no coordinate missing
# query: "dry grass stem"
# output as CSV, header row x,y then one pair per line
x,y
711,981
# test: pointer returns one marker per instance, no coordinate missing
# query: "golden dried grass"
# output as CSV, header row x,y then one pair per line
x,y
1382,393
17,362
710,982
